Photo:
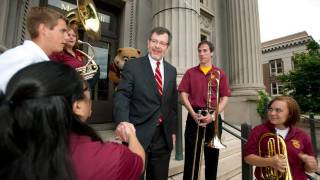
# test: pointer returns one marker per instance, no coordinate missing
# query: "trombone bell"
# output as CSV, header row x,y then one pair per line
x,y
216,143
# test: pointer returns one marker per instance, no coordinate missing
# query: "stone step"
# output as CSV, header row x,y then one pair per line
x,y
237,177
232,147
229,166
229,155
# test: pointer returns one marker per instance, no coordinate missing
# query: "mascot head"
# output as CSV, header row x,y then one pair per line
x,y
125,54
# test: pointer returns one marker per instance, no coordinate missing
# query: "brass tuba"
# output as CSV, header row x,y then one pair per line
x,y
85,15
275,146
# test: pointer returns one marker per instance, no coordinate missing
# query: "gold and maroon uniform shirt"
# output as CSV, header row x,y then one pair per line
x,y
297,141
195,83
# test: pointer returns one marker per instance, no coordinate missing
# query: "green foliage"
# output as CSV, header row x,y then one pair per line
x,y
303,82
263,102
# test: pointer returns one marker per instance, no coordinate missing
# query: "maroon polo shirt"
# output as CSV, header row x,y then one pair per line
x,y
100,161
68,59
195,83
297,141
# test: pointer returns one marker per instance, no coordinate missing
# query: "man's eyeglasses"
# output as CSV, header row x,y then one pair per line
x,y
161,43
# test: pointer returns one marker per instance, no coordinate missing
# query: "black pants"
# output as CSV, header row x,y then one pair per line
x,y
157,157
211,155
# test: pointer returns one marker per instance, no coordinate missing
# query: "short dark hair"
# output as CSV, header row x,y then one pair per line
x,y
293,107
42,15
161,30
211,47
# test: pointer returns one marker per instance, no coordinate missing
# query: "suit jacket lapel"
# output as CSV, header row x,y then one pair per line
x,y
166,78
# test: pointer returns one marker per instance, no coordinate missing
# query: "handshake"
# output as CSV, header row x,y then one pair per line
x,y
125,131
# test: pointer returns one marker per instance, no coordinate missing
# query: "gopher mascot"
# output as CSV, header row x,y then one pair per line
x,y
123,55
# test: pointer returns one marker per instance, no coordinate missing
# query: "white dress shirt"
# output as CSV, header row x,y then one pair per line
x,y
153,63
17,58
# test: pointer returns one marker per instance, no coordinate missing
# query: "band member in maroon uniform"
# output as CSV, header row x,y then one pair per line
x,y
283,114
194,91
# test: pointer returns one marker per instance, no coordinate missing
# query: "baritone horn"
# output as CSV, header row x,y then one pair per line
x,y
85,15
275,146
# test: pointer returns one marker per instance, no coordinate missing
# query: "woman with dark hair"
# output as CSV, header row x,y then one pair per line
x,y
40,129
262,149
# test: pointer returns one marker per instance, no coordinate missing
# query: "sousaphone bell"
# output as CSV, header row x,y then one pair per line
x,y
85,15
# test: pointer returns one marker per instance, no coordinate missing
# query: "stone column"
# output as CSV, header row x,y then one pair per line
x,y
245,68
3,21
239,37
128,32
221,48
13,22
181,17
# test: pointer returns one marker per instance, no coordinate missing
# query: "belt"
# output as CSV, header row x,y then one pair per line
x,y
203,110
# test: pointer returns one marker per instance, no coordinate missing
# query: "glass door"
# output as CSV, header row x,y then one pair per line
x,y
101,87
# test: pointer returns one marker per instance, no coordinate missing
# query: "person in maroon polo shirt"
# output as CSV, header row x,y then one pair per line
x,y
283,114
95,160
193,91
44,136
70,56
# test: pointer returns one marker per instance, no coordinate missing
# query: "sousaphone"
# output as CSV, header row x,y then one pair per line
x,y
85,15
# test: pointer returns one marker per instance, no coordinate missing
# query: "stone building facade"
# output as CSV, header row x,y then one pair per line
x,y
232,26
277,58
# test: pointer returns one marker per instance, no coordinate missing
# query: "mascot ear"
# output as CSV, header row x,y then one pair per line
x,y
139,52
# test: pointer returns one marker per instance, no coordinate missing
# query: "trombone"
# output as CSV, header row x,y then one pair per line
x,y
215,141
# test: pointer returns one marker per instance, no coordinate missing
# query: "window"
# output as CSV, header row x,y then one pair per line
x,y
276,67
203,37
276,89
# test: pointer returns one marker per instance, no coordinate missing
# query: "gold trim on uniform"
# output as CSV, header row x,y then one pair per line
x,y
296,143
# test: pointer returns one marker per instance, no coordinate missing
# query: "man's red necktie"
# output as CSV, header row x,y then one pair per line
x,y
158,78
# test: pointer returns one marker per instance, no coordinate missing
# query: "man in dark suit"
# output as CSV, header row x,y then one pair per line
x,y
147,97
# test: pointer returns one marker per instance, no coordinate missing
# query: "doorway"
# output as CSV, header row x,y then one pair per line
x,y
104,51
